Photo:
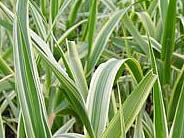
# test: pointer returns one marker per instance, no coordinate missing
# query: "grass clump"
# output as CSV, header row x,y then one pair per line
x,y
96,69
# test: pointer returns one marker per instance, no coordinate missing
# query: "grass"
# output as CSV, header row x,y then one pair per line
x,y
91,69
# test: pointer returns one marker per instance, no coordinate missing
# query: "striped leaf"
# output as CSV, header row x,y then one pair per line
x,y
92,24
2,130
77,69
147,22
160,122
65,128
71,91
101,88
28,85
131,107
178,124
175,94
20,130
74,11
102,38
168,41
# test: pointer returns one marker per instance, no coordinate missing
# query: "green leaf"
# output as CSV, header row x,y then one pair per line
x,y
6,25
38,19
175,94
102,38
131,107
65,128
54,9
9,14
109,4
138,130
63,56
12,106
7,83
123,133
147,22
101,87
77,69
43,5
148,125
5,67
20,130
74,11
28,85
160,121
178,124
2,131
163,7
168,41
71,91
134,32
69,30
60,11
92,24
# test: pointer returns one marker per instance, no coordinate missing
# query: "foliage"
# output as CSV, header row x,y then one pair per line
x,y
91,68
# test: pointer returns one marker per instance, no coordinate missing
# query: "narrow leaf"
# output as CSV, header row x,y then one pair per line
x,y
92,24
71,91
2,130
100,91
77,69
178,123
28,85
131,106
65,128
175,94
168,42
101,40
160,122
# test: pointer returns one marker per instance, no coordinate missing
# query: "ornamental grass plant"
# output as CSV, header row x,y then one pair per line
x,y
91,69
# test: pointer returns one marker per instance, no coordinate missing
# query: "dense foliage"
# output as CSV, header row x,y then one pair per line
x,y
91,68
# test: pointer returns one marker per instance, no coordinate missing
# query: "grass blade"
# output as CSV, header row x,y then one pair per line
x,y
131,107
38,19
100,91
163,7
134,32
7,83
29,93
53,9
2,132
72,93
5,103
123,133
73,14
147,22
92,24
101,40
60,11
69,30
77,69
160,121
138,130
168,42
175,94
43,5
21,131
64,129
178,124
5,67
